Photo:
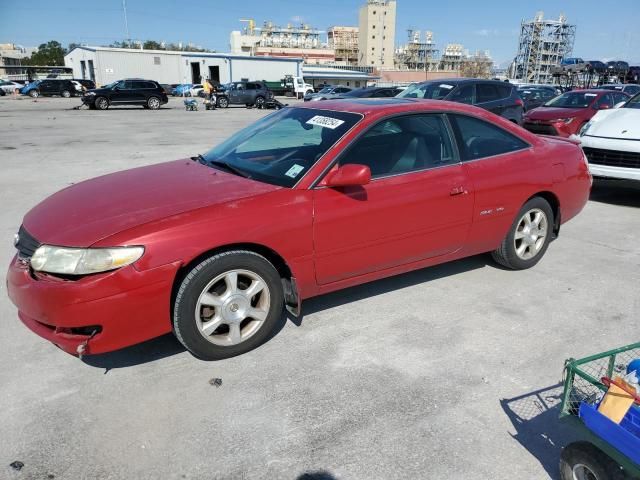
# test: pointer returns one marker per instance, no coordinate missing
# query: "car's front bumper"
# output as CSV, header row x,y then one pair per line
x,y
126,306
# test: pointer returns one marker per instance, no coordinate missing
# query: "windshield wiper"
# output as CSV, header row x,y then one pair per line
x,y
222,165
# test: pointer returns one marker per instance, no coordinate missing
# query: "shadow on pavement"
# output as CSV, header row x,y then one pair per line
x,y
535,417
168,345
319,475
625,193
149,351
379,287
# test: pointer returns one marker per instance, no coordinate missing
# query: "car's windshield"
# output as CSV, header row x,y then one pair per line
x,y
432,90
282,147
633,103
110,85
326,90
572,100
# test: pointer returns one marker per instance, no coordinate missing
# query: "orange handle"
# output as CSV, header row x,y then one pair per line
x,y
608,382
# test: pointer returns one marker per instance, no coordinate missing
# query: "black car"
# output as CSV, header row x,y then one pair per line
x,y
243,93
370,92
131,91
53,86
498,97
534,97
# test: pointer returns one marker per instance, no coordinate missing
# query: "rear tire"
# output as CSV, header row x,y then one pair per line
x,y
65,94
228,304
153,103
584,461
101,103
528,237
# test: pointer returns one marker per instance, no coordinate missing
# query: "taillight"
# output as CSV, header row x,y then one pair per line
x,y
519,102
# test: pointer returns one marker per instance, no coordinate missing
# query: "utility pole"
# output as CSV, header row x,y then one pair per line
x,y
126,22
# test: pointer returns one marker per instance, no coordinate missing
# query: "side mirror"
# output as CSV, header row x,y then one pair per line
x,y
348,176
603,106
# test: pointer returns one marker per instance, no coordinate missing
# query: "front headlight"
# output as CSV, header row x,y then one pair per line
x,y
83,261
566,121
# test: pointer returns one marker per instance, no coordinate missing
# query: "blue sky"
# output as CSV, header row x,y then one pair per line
x,y
492,25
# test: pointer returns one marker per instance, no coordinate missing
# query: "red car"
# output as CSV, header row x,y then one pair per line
x,y
566,114
304,202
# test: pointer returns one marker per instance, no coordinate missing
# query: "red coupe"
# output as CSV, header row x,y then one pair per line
x,y
304,202
567,114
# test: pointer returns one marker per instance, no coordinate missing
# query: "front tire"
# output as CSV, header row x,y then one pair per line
x,y
584,461
223,102
228,305
66,94
259,102
528,237
101,103
34,94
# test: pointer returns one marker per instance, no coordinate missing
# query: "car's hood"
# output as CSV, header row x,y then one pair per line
x,y
89,211
98,90
616,123
552,113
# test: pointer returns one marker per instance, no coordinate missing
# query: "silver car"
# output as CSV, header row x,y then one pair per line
x,y
327,93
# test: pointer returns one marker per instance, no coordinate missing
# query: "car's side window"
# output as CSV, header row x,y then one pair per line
x,y
486,92
464,94
605,100
480,139
402,145
504,91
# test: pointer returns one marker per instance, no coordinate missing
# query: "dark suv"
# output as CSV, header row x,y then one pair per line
x,y
243,93
131,91
500,98
49,87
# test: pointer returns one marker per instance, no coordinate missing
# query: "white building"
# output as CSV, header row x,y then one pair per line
x,y
377,32
105,65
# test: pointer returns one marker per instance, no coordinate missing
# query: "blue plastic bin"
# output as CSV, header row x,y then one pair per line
x,y
624,437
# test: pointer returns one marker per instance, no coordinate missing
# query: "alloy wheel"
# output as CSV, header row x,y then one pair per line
x,y
582,472
531,234
232,307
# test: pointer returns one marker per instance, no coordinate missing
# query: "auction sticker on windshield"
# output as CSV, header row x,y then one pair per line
x,y
444,85
294,170
326,122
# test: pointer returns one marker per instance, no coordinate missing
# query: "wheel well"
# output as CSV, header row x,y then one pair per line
x,y
553,201
273,257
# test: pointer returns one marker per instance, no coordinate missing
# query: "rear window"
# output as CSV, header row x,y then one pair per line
x,y
480,139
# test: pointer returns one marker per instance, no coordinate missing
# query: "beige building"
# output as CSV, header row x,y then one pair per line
x,y
344,42
376,40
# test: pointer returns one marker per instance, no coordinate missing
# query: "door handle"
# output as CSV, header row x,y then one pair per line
x,y
458,191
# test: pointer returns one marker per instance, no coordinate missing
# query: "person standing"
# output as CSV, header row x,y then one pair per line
x,y
206,88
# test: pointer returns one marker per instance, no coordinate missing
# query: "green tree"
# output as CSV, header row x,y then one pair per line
x,y
71,46
152,45
50,53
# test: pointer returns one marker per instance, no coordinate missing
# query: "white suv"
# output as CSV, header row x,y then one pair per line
x,y
611,141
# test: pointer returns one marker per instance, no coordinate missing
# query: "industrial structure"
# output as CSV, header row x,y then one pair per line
x,y
452,57
417,54
272,40
376,41
344,42
542,46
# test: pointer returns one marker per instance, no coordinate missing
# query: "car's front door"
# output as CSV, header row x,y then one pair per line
x,y
417,205
46,87
122,92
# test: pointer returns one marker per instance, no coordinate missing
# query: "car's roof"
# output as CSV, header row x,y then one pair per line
x,y
367,106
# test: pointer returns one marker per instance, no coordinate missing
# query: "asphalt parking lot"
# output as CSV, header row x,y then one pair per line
x,y
448,372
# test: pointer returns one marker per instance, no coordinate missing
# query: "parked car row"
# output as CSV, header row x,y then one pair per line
x,y
57,87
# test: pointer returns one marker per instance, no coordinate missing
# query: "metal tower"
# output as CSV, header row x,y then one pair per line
x,y
542,45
